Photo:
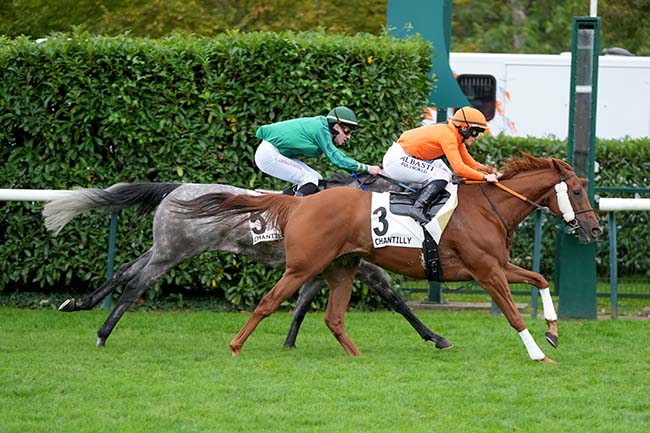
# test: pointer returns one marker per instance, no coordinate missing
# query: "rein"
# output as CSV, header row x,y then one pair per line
x,y
563,201
361,183
396,182
495,209
521,197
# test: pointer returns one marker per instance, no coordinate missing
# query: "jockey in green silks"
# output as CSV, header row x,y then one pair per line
x,y
284,143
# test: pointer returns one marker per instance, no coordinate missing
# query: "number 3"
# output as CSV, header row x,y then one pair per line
x,y
382,220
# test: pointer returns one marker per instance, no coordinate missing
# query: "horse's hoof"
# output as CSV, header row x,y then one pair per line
x,y
548,360
67,305
289,346
101,342
234,350
443,344
551,338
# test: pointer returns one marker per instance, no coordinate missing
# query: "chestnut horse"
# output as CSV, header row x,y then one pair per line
x,y
327,226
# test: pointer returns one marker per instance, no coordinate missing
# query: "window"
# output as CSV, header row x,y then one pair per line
x,y
481,90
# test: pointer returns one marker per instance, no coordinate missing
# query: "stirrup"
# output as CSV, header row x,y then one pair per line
x,y
418,215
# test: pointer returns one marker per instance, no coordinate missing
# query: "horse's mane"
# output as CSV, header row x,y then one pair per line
x,y
528,162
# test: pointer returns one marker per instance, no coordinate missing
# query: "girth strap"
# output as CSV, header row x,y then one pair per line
x,y
432,264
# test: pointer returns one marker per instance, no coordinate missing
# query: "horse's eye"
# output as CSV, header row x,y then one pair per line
x,y
577,192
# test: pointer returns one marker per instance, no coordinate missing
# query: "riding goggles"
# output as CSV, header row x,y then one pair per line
x,y
346,129
475,132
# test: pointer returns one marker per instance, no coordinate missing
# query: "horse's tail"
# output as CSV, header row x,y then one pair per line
x,y
144,196
219,206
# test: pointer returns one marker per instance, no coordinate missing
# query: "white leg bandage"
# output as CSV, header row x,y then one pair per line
x,y
547,303
533,349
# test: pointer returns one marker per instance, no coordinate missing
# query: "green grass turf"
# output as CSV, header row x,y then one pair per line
x,y
173,372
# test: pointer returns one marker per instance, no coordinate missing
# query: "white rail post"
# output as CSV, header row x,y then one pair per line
x,y
612,205
613,263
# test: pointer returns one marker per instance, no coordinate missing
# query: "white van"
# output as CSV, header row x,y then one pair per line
x,y
528,94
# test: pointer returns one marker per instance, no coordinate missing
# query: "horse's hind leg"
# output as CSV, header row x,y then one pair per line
x,y
375,279
287,286
340,279
134,289
515,274
306,295
124,273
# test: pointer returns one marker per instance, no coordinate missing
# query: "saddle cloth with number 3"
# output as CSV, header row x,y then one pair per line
x,y
389,229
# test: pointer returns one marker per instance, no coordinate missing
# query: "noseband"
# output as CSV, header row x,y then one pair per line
x,y
568,213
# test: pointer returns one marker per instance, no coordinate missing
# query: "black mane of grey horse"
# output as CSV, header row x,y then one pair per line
x,y
176,239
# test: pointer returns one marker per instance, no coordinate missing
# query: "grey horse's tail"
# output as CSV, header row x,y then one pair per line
x,y
144,196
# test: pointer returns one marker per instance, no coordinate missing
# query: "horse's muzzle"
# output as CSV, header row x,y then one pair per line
x,y
583,234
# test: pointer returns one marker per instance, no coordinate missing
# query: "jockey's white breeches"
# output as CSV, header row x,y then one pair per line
x,y
272,162
406,168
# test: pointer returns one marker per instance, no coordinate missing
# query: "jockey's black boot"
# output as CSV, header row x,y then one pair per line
x,y
306,189
427,194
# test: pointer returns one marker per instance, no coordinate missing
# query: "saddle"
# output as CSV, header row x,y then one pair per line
x,y
401,203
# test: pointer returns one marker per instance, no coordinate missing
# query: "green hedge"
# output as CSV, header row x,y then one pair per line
x,y
80,110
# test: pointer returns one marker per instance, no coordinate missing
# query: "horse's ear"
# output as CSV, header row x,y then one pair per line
x,y
562,166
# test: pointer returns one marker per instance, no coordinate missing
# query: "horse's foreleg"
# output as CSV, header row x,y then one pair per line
x,y
306,295
515,274
124,273
550,315
494,281
287,286
340,279
375,279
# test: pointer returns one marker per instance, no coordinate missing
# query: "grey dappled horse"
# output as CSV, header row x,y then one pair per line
x,y
176,239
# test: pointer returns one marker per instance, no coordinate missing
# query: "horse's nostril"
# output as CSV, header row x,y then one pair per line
x,y
596,232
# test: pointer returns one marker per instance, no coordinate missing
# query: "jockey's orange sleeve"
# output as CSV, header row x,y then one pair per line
x,y
433,141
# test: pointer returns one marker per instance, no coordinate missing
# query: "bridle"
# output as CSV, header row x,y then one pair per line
x,y
568,214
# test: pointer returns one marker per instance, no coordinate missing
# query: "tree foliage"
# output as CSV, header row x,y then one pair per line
x,y
158,18
544,26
